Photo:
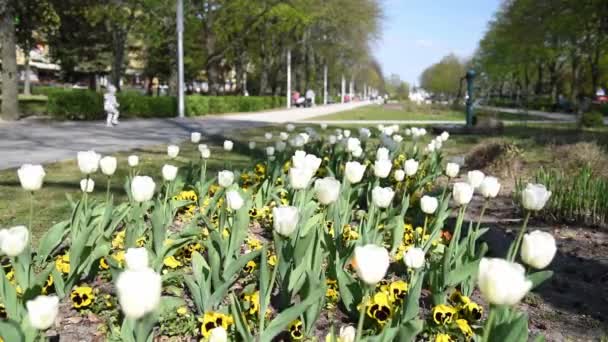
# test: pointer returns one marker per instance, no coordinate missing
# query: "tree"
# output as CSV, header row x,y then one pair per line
x,y
10,105
443,78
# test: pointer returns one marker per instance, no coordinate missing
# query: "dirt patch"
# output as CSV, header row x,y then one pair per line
x,y
497,157
579,155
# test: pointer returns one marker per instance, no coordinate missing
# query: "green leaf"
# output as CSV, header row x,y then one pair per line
x,y
411,306
51,239
538,278
411,329
460,274
242,327
10,331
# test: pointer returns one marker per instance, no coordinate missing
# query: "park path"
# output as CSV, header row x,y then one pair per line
x,y
38,142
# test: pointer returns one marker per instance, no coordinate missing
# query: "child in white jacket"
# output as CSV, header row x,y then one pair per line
x,y
110,105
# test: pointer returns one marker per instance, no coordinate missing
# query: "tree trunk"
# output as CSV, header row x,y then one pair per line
x,y
27,90
538,89
119,41
10,105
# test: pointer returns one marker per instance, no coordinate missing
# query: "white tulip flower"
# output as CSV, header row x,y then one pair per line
x,y
357,152
414,258
205,153
133,160
142,188
382,153
428,204
268,136
228,145
502,282
452,170
88,162
411,167
535,197
218,334
280,146
399,175
225,178
234,199
195,137
489,187
202,147
136,259
444,136
284,136
397,138
323,126
474,178
327,190
353,144
270,151
31,177
252,145
332,139
290,127
139,292
169,172
538,249
312,162
364,133
172,151
371,263
108,165
300,177
42,311
354,172
382,197
13,241
285,219
382,168
462,193
408,132
347,333
87,185
346,133
298,159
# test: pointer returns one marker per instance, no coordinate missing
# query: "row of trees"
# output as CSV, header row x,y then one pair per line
x,y
443,78
545,48
223,39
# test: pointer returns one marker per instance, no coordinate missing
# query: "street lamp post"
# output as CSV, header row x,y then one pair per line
x,y
470,76
289,78
180,58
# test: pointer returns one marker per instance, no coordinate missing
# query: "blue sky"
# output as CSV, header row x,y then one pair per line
x,y
417,33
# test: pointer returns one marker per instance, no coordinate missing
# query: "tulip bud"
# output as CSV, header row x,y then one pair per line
x,y
218,335
538,249
312,162
205,153
268,135
31,177
13,241
252,145
502,282
371,263
382,197
462,193
353,144
452,170
299,178
332,139
42,311
535,196
169,172
414,258
382,168
133,160
228,145
172,151
195,137
382,153
347,333
354,171
474,178
428,204
87,185
270,151
88,162
283,136
399,175
290,127
280,146
142,188
327,190
489,187
411,167
397,138
346,133
225,178
234,199
323,126
444,136
285,219
139,292
108,165
136,259
358,152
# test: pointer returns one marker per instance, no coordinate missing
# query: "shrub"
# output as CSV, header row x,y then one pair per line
x,y
592,119
75,105
133,105
197,105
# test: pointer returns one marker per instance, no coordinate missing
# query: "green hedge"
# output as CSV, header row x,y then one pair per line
x,y
592,119
88,105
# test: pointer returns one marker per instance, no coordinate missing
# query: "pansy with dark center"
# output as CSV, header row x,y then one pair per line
x,y
82,297
295,330
379,308
212,320
443,314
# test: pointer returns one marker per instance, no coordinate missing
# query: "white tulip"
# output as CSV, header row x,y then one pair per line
x,y
87,185
364,133
371,263
414,258
139,292
299,178
353,144
535,197
234,199
538,249
169,172
290,127
474,178
31,177
358,152
327,190
172,151
225,178
298,159
411,167
432,146
397,138
354,171
133,160
252,145
218,335
42,311
205,153
346,133
136,259
312,162
408,132
347,333
382,197
502,282
489,187
332,139
382,153
399,175
280,146
452,170
195,137
202,147
13,241
285,219
284,136
428,204
142,188
382,168
228,145
323,126
444,136
462,193
108,165
270,151
88,162
268,135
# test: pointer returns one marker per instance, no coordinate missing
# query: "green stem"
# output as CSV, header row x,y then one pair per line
x,y
488,326
517,243
31,210
108,189
483,210
421,238
268,294
362,314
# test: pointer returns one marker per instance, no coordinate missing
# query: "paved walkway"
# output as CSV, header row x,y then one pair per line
x,y
31,141
563,117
